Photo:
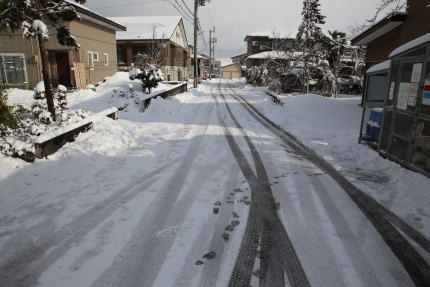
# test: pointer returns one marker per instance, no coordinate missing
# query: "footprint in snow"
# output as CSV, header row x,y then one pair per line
x,y
209,256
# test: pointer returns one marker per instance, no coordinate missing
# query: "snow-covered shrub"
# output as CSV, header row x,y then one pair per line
x,y
256,76
40,112
39,108
351,86
39,91
61,96
150,77
8,119
121,98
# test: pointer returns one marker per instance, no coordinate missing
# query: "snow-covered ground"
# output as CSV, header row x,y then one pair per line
x,y
87,206
331,126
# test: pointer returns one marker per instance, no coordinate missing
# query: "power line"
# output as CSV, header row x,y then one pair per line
x,y
185,16
184,10
188,8
131,4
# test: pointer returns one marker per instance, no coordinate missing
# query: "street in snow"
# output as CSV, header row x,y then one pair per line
x,y
201,190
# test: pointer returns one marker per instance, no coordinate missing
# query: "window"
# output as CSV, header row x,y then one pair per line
x,y
96,56
90,59
106,59
120,53
142,50
13,70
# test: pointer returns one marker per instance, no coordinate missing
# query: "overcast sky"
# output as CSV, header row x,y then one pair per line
x,y
234,19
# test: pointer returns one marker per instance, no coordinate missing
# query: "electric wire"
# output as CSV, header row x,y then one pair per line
x,y
131,4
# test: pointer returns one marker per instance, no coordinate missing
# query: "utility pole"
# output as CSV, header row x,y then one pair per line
x,y
196,76
197,3
212,42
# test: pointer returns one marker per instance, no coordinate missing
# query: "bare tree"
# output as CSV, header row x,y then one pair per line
x,y
154,53
281,61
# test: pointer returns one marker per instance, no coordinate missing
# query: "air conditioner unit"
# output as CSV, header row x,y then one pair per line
x,y
254,43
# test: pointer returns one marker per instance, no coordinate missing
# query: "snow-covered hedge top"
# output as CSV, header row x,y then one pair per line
x,y
61,88
380,67
412,44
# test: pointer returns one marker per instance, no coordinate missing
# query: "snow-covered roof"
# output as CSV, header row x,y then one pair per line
x,y
88,14
274,34
412,44
232,64
224,61
147,27
275,55
380,67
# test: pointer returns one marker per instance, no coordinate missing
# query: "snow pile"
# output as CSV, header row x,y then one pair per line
x,y
106,137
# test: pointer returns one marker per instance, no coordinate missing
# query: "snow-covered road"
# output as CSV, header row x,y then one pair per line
x,y
194,192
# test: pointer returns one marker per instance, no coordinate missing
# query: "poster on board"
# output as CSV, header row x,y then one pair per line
x,y
426,93
412,94
402,96
391,94
416,73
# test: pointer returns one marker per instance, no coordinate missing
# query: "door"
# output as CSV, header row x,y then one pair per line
x,y
63,69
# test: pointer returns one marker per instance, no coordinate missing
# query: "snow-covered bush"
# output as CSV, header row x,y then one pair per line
x,y
8,119
121,98
150,77
256,76
17,139
351,86
61,96
40,107
39,91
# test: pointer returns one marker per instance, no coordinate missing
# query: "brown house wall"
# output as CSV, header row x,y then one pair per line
x,y
90,36
417,24
96,38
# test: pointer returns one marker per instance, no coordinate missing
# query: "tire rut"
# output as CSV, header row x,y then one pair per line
x,y
384,221
263,223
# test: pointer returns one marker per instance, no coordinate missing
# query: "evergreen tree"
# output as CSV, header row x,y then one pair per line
x,y
308,37
31,16
334,48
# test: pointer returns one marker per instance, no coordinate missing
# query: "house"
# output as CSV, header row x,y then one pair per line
x,y
232,71
396,113
393,31
239,59
281,57
269,41
218,64
95,60
162,38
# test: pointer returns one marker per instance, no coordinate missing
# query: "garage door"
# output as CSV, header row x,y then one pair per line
x,y
235,75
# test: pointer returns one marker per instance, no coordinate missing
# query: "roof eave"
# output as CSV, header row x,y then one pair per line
x,y
98,19
382,27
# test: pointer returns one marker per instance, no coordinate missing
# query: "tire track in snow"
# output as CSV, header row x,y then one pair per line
x,y
24,266
384,221
144,252
263,222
